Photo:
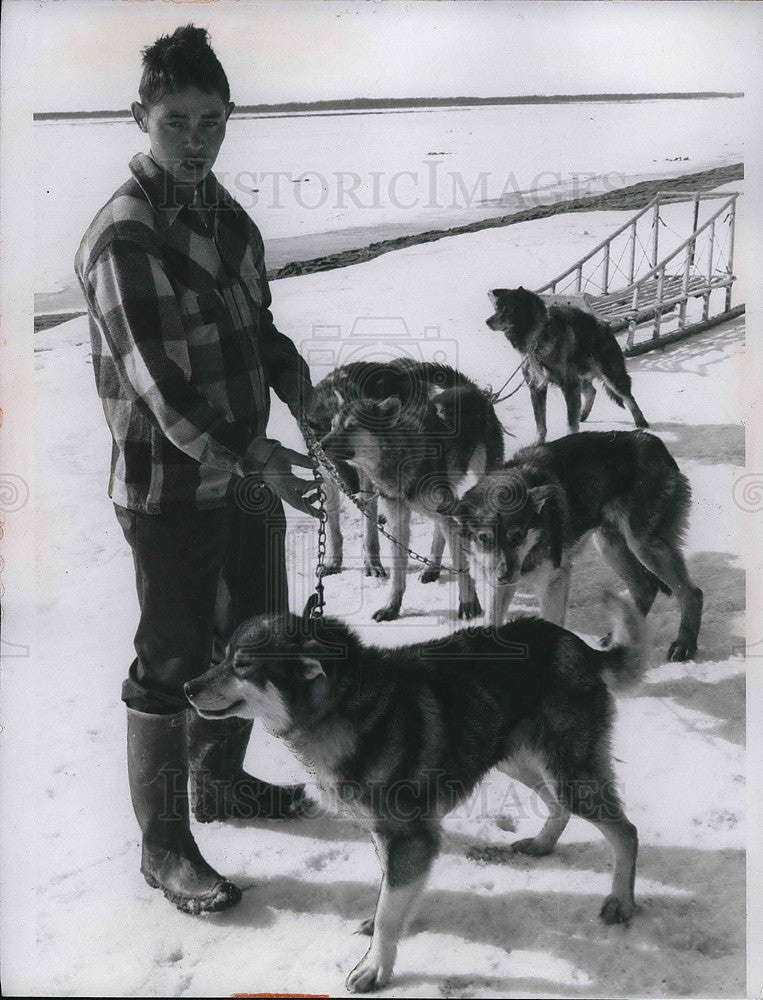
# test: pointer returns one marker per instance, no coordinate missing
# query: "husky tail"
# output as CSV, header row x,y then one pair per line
x,y
623,662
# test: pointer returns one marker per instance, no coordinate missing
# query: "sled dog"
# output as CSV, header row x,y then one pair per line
x,y
417,453
565,346
414,383
526,521
398,737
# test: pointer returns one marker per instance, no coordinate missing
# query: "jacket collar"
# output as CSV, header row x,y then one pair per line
x,y
165,196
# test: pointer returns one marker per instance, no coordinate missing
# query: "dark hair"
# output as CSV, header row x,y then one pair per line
x,y
182,59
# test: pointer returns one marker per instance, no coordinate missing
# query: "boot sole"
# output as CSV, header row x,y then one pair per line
x,y
223,896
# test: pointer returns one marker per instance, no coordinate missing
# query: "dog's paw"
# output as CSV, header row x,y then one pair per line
x,y
615,910
680,651
387,614
430,574
366,927
531,847
369,974
469,609
376,570
301,805
507,823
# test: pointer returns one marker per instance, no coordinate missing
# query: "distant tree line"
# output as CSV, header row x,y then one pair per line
x,y
395,103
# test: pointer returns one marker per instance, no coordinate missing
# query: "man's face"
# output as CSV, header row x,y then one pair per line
x,y
186,130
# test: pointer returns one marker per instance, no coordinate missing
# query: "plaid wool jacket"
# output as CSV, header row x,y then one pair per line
x,y
183,341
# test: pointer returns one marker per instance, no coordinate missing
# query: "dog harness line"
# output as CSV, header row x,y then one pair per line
x,y
320,456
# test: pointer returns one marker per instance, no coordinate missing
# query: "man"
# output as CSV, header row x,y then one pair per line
x,y
184,352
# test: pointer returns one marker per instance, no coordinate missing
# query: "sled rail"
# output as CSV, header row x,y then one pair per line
x,y
701,264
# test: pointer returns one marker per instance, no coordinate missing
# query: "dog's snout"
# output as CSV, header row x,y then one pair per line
x,y
200,692
504,573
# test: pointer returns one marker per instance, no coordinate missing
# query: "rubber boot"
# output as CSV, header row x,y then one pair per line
x,y
157,747
220,788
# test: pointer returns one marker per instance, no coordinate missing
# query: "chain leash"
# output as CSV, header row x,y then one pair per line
x,y
316,602
319,456
314,608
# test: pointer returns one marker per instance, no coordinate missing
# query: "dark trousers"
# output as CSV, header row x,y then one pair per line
x,y
199,574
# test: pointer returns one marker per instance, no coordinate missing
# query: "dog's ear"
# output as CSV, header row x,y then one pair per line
x,y
540,494
311,668
328,641
390,408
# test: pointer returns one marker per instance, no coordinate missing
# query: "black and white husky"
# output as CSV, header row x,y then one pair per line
x,y
398,737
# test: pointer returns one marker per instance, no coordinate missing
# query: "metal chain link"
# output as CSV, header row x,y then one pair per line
x,y
316,602
319,456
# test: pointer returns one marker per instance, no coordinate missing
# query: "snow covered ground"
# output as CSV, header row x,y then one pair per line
x,y
492,924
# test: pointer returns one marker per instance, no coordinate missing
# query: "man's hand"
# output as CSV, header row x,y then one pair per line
x,y
299,493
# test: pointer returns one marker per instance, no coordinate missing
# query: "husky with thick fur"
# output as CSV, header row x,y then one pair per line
x,y
414,383
566,346
400,736
525,522
418,454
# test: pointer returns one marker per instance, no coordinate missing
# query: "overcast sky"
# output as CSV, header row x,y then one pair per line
x,y
88,51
